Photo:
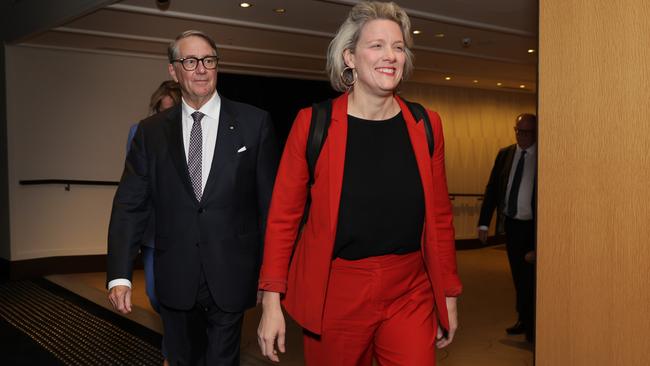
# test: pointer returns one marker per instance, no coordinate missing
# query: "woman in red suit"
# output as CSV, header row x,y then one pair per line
x,y
374,272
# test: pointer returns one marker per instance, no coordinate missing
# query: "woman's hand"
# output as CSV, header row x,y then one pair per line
x,y
452,313
272,327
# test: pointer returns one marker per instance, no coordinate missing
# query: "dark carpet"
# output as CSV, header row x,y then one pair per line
x,y
44,324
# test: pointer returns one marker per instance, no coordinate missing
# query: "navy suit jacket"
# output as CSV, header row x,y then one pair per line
x,y
147,238
223,233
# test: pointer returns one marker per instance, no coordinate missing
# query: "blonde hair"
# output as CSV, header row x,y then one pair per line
x,y
348,35
168,88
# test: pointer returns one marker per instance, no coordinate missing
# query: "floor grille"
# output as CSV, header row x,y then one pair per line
x,y
70,333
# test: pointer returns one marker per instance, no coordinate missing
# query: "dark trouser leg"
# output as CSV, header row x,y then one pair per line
x,y
204,335
520,239
223,331
185,339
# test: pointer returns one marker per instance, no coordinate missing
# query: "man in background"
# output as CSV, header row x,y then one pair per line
x,y
511,191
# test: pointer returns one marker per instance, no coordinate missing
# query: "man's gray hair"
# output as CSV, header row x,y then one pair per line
x,y
172,50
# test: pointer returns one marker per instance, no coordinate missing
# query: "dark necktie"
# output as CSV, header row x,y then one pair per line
x,y
514,188
195,154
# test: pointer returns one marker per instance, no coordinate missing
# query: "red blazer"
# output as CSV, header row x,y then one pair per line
x,y
303,279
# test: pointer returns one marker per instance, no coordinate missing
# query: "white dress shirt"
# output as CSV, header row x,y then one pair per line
x,y
209,127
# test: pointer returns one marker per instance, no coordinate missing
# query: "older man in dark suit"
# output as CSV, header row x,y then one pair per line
x,y
206,169
511,191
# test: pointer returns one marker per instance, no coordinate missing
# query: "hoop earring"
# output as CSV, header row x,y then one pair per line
x,y
348,77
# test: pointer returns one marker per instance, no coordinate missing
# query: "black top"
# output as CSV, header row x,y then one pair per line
x,y
382,201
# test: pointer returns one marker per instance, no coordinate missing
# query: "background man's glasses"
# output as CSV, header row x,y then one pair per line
x,y
190,63
520,131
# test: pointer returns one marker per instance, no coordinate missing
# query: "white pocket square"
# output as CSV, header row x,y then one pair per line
x,y
241,149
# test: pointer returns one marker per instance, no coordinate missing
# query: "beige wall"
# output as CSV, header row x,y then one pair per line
x,y
68,118
477,123
593,296
5,243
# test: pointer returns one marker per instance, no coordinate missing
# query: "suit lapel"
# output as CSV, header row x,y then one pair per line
x,y
225,151
174,133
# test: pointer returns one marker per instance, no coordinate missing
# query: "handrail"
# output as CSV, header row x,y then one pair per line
x,y
452,196
67,182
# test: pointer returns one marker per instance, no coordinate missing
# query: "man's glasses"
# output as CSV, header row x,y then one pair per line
x,y
521,131
190,63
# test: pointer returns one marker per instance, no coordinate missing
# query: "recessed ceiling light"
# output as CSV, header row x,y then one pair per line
x,y
447,77
530,50
475,81
499,84
522,86
416,32
439,35
245,5
279,10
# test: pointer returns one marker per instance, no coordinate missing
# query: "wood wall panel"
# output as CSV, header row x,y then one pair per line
x,y
594,174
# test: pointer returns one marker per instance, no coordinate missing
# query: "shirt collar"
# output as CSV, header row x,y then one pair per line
x,y
210,108
531,150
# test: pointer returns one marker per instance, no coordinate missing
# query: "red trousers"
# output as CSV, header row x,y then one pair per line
x,y
379,307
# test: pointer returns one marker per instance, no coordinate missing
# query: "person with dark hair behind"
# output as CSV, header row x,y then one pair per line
x,y
373,274
167,95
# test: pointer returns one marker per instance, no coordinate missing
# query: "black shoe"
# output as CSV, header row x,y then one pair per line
x,y
518,328
530,337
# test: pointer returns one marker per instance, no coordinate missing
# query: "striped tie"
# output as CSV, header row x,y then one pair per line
x,y
195,154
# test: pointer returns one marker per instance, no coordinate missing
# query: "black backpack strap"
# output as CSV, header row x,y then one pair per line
x,y
321,115
419,113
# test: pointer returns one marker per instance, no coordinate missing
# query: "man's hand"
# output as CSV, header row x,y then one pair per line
x,y
531,257
482,235
120,298
452,312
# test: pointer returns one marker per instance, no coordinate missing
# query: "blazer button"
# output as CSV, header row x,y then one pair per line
x,y
201,210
